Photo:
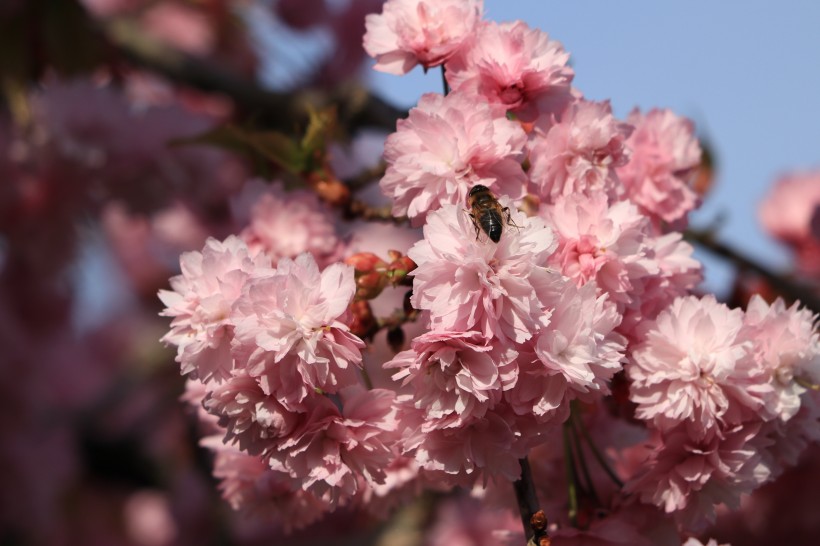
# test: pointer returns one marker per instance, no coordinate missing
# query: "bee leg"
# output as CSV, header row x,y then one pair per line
x,y
508,218
475,223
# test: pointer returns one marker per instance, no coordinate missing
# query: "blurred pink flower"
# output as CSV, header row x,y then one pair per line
x,y
286,224
180,26
790,213
580,153
410,32
148,519
466,283
515,66
290,332
201,305
664,157
446,146
252,487
695,367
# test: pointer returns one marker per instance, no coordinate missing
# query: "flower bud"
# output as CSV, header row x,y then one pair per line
x,y
370,285
365,262
363,323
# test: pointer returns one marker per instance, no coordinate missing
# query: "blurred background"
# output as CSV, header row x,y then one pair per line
x,y
128,130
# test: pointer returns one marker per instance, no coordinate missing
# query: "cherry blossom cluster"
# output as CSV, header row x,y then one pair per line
x,y
728,395
595,275
264,339
590,286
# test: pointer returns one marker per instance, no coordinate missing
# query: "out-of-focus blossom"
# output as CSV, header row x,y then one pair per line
x,y
290,332
466,283
515,66
410,32
148,519
789,213
692,541
579,154
696,367
286,224
181,26
664,157
446,146
251,486
201,305
469,522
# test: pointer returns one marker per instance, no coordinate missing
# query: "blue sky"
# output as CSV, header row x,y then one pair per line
x,y
747,73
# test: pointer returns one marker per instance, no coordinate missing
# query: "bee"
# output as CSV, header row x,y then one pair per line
x,y
487,213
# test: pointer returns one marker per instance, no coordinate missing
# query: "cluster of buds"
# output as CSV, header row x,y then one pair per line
x,y
374,274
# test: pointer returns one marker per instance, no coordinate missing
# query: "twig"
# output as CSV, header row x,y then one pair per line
x,y
572,478
790,288
360,209
527,498
357,107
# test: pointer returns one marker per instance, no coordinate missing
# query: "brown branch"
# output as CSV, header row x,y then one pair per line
x,y
788,287
363,211
533,519
357,107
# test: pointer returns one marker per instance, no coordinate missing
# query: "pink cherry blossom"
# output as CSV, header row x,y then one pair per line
x,y
410,32
490,446
580,153
252,487
446,146
790,213
665,155
515,66
609,244
252,420
467,282
575,354
456,376
286,224
786,343
693,476
695,366
332,448
290,332
201,305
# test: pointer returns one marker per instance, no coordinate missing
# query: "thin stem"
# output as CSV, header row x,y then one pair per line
x,y
576,443
526,496
572,478
595,451
444,81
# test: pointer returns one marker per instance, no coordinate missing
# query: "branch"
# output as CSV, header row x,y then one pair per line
x,y
788,287
533,519
357,107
